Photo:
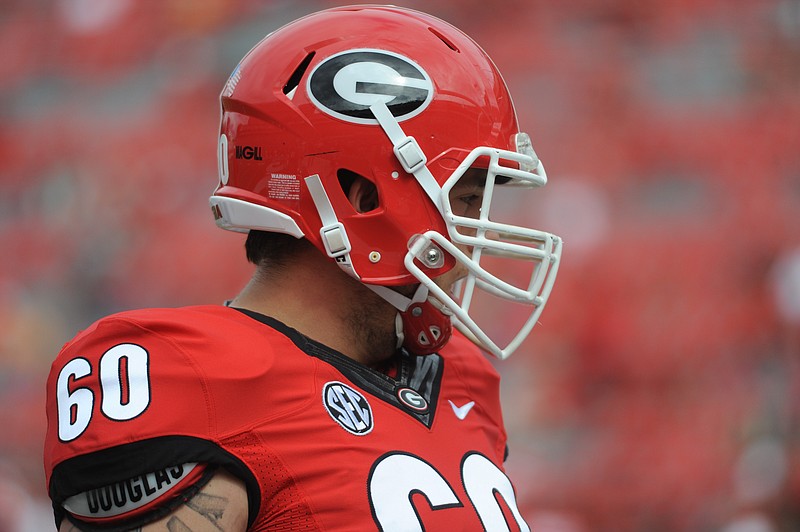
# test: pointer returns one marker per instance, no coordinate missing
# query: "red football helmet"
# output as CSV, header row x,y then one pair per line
x,y
411,104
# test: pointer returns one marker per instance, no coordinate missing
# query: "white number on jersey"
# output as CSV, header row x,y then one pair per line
x,y
397,476
124,383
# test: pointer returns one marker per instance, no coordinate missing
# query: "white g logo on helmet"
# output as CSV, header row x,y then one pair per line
x,y
345,85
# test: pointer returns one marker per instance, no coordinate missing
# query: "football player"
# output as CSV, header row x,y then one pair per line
x,y
361,148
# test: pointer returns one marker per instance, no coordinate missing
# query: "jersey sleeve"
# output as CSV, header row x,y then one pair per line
x,y
128,398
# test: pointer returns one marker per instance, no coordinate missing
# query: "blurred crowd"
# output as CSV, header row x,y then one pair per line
x,y
661,390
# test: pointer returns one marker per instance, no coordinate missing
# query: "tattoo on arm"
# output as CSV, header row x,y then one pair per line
x,y
176,525
209,506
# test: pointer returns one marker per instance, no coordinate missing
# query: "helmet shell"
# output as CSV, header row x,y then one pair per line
x,y
295,107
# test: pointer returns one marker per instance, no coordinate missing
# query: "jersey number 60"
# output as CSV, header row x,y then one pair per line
x,y
124,389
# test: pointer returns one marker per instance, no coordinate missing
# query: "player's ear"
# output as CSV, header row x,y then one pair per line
x,y
363,194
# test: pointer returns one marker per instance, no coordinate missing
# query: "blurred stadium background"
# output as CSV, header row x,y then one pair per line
x,y
661,392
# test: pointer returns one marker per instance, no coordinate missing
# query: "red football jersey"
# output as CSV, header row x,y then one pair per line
x,y
321,442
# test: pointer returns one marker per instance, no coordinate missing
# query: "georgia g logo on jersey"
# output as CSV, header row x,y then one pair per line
x,y
346,84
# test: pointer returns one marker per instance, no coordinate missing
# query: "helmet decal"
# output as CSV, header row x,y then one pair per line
x,y
345,85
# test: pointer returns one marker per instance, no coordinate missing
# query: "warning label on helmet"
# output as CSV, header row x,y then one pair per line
x,y
283,187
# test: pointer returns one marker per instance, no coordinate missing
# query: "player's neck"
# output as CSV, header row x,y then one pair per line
x,y
316,298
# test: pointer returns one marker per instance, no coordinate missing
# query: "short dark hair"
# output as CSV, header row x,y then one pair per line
x,y
271,250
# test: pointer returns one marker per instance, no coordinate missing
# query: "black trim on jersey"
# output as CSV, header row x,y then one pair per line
x,y
108,466
420,373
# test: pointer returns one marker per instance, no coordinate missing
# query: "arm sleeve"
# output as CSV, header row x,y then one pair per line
x,y
137,501
130,398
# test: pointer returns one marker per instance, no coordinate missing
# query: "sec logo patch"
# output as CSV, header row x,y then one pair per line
x,y
348,408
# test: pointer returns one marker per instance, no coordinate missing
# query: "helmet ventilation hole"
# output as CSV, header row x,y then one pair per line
x,y
364,197
297,75
445,40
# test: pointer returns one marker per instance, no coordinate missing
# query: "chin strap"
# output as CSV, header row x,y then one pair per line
x,y
422,327
332,232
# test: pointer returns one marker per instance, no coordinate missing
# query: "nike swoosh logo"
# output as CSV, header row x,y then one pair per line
x,y
461,411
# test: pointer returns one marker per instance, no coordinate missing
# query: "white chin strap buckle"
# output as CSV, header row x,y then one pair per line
x,y
332,233
409,153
